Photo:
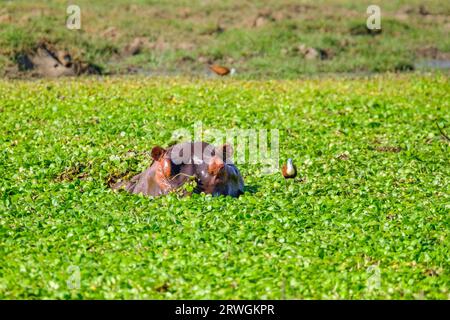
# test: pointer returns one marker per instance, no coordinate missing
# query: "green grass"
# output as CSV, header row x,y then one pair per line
x,y
319,238
264,51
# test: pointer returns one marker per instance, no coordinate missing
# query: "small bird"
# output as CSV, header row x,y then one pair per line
x,y
221,70
289,170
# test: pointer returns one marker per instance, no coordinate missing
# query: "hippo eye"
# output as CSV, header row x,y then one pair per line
x,y
221,177
222,174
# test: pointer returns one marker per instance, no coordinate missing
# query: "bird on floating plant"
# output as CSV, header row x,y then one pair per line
x,y
221,70
289,170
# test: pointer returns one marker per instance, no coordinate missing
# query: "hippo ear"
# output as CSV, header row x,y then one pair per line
x,y
157,153
166,167
215,166
225,152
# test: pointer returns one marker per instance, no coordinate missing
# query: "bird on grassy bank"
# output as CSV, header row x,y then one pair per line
x,y
221,70
289,170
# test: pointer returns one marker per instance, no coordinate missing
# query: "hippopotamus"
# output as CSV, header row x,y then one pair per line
x,y
211,168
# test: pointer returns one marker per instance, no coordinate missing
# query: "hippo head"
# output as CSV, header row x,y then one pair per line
x,y
166,172
218,175
210,167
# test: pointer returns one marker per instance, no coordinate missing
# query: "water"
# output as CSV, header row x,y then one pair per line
x,y
433,64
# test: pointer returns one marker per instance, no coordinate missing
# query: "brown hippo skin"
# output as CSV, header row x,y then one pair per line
x,y
211,168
